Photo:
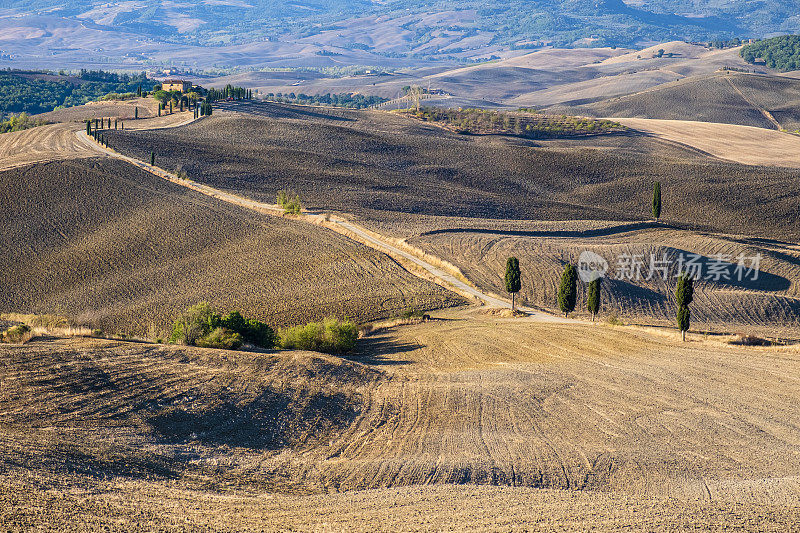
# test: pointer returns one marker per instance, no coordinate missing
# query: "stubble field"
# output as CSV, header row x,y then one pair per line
x,y
125,251
619,426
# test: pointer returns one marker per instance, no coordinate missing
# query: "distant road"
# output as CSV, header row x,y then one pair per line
x,y
741,144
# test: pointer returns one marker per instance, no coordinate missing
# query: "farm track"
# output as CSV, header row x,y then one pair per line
x,y
338,224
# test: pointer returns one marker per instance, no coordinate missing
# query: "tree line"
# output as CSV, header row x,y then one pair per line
x,y
567,297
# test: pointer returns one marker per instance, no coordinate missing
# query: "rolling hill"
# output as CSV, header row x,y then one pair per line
x,y
122,250
733,98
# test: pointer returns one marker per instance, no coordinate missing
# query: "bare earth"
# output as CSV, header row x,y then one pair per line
x,y
583,425
742,144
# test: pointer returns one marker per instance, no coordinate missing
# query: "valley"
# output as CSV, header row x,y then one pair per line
x,y
453,412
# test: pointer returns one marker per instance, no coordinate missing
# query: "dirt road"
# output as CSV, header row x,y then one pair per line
x,y
58,141
369,238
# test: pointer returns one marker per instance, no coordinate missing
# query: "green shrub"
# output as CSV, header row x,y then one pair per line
x,y
251,330
329,336
18,334
290,202
221,338
199,324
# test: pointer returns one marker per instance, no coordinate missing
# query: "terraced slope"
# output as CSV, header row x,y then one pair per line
x,y
376,165
629,416
123,250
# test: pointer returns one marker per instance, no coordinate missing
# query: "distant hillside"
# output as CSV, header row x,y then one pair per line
x,y
340,32
730,98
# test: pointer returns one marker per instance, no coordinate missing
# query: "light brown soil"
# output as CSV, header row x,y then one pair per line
x,y
648,429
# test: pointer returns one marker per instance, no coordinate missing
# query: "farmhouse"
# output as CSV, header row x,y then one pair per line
x,y
176,85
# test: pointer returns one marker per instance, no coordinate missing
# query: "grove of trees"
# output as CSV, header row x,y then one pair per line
x,y
782,53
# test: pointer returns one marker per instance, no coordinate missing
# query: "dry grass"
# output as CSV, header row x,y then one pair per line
x,y
741,144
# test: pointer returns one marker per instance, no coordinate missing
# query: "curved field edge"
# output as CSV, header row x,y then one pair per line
x,y
123,250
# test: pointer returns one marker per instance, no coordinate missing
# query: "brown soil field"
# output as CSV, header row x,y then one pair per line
x,y
587,426
120,249
372,163
768,305
731,98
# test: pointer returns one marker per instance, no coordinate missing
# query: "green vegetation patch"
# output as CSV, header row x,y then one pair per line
x,y
349,100
485,122
40,91
20,122
782,53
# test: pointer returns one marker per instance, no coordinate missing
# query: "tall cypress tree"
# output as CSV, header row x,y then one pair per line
x,y
568,290
657,200
88,127
593,299
136,112
152,159
513,280
684,294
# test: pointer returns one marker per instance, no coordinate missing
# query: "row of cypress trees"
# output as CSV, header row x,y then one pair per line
x,y
568,287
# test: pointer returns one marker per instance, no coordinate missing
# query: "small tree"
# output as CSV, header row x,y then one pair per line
x,y
593,299
657,200
136,112
88,127
290,202
684,294
152,159
513,280
568,290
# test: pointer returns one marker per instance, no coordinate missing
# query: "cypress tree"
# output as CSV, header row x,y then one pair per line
x,y
568,290
116,123
159,110
513,280
683,321
684,294
88,127
152,159
170,107
593,299
139,91
136,112
657,200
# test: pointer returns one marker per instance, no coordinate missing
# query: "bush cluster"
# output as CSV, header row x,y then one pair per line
x,y
202,325
329,336
481,121
23,121
16,334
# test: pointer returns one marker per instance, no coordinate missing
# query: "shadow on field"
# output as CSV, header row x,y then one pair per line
x,y
271,420
599,232
382,351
